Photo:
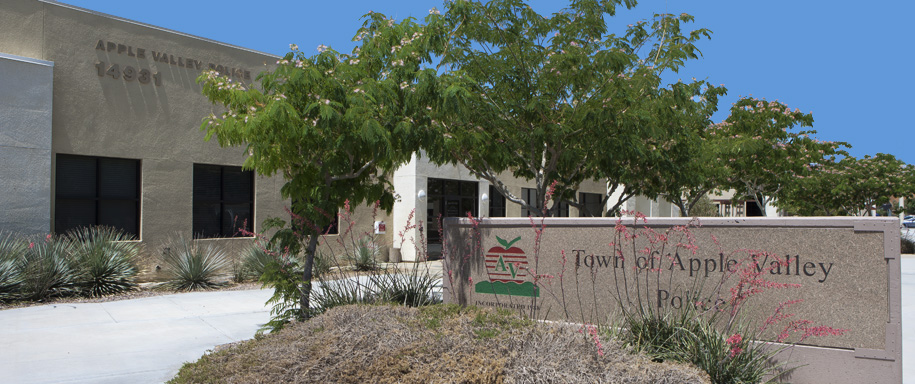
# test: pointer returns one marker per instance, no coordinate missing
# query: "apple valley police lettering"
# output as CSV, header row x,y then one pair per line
x,y
790,265
144,75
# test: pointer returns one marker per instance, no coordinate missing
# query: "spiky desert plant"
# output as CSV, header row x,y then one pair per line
x,y
364,255
12,249
192,265
413,289
46,269
255,260
105,260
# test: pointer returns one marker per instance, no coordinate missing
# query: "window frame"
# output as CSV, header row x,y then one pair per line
x,y
98,199
222,202
583,198
497,203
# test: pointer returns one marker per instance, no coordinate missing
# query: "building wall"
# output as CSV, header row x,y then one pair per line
x,y
153,116
25,144
411,210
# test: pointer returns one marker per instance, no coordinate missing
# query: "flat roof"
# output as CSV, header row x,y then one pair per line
x,y
80,9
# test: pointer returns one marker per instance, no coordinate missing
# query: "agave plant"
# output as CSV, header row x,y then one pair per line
x,y
11,252
105,260
46,269
364,256
255,260
191,265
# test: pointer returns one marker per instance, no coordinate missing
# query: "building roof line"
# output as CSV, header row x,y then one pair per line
x,y
158,28
26,59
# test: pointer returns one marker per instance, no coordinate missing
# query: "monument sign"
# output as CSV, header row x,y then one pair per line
x,y
829,288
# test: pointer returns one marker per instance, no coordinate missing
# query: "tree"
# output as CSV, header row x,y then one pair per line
x,y
700,170
558,100
849,186
764,151
332,125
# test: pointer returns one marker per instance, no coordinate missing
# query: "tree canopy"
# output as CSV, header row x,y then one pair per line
x,y
765,151
333,125
849,186
557,100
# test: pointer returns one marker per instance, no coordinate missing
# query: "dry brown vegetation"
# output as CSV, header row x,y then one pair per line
x,y
435,344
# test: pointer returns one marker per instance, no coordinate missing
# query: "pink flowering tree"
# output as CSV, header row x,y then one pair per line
x,y
849,186
333,125
766,150
561,97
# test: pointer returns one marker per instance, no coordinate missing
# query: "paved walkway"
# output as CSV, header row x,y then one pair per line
x,y
908,319
132,341
147,340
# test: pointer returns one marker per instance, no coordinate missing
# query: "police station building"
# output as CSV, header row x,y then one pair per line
x,y
99,125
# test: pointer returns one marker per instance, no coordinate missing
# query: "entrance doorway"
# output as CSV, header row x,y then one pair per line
x,y
448,198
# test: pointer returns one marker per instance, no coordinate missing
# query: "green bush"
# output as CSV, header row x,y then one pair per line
x,y
104,260
907,246
47,270
364,256
255,260
12,250
684,336
413,289
191,265
344,291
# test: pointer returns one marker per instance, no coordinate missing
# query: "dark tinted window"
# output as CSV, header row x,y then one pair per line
x,y
496,202
223,201
591,204
92,191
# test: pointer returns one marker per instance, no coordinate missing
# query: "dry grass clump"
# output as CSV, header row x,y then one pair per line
x,y
435,344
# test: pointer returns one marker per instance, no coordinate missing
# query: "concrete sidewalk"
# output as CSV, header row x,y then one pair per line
x,y
132,341
908,319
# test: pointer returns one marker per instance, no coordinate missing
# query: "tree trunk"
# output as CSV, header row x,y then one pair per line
x,y
304,300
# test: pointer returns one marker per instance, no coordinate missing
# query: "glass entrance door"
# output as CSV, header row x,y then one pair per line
x,y
448,198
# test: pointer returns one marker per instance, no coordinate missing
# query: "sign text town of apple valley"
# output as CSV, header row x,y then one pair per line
x,y
787,266
145,75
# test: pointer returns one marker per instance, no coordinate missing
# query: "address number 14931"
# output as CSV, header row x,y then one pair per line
x,y
129,73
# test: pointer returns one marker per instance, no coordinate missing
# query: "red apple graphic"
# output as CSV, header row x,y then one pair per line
x,y
506,263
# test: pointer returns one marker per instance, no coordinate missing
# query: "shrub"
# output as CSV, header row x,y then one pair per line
x,y
704,208
191,265
684,336
364,255
907,246
46,269
413,289
322,265
255,260
11,252
344,291
104,260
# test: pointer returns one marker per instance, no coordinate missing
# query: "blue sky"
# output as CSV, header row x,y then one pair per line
x,y
850,63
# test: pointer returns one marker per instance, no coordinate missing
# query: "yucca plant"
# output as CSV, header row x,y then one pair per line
x,y
255,260
345,291
364,256
191,265
413,289
11,251
105,260
47,270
